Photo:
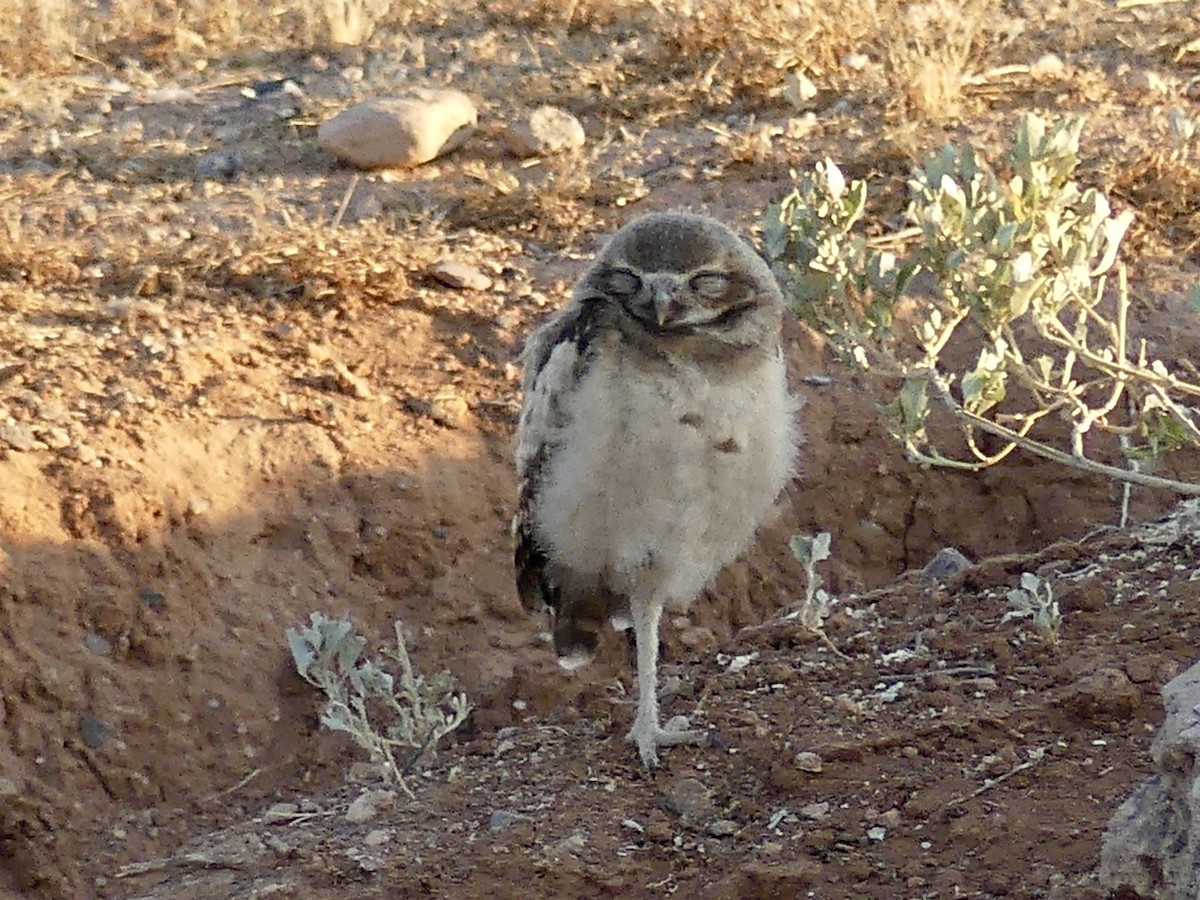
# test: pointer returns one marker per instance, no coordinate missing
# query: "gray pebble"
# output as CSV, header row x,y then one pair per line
x,y
152,600
97,644
19,436
501,818
218,167
690,799
722,828
94,731
947,561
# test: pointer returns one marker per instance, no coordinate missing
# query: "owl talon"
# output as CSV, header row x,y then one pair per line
x,y
649,739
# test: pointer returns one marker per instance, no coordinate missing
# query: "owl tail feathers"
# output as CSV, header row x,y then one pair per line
x,y
578,622
575,641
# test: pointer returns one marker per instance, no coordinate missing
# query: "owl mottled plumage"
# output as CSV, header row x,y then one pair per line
x,y
656,434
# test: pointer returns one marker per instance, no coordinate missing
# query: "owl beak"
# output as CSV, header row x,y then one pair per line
x,y
664,305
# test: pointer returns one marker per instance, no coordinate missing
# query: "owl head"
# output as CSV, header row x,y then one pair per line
x,y
686,276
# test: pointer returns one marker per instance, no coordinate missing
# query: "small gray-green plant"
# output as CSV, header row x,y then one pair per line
x,y
817,603
1011,272
360,692
1034,599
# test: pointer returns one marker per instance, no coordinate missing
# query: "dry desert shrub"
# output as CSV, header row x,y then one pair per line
x,y
931,54
1163,184
47,35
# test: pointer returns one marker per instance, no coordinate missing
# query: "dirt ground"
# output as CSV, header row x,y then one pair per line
x,y
226,403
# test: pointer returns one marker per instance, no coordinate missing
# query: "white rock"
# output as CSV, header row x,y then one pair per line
x,y
460,275
1048,66
1152,845
798,89
548,130
400,131
377,837
370,804
807,761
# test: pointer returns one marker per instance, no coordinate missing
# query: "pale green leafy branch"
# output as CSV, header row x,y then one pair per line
x,y
809,551
1011,271
1034,599
420,711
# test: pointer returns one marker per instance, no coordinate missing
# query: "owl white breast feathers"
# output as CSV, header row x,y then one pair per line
x,y
656,434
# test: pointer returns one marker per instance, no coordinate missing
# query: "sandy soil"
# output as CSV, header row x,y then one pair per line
x,y
224,405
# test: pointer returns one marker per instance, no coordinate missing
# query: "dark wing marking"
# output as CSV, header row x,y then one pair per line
x,y
534,586
578,325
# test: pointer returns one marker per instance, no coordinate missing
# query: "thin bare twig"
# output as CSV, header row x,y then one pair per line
x,y
1036,755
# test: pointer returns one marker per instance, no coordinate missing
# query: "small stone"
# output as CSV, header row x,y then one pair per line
x,y
548,130
798,89
722,828
450,410
890,819
94,731
501,818
281,812
8,788
152,600
400,131
571,845
97,644
460,275
1105,695
53,411
361,772
690,799
856,62
217,166
700,640
807,761
1047,66
81,452
377,837
56,438
198,506
947,561
815,811
171,95
366,206
370,804
19,436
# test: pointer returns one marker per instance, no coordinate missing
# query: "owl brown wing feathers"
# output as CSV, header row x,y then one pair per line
x,y
579,605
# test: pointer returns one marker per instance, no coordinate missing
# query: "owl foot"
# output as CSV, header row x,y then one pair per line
x,y
649,736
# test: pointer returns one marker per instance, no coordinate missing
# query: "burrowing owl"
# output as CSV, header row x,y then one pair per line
x,y
656,434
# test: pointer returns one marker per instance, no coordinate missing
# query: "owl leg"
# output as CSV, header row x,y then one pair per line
x,y
646,731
